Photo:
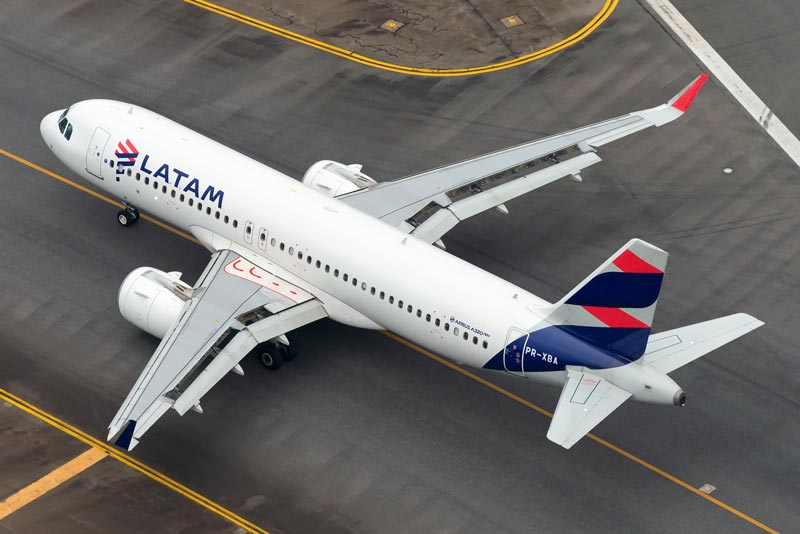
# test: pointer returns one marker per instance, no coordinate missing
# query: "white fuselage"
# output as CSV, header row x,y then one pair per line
x,y
276,217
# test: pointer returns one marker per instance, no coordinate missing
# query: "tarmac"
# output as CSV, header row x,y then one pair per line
x,y
362,433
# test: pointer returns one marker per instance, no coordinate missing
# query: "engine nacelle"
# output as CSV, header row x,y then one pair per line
x,y
333,178
152,299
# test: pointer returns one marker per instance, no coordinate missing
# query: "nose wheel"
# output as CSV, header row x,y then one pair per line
x,y
128,216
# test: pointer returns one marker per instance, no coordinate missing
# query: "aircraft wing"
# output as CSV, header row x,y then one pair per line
x,y
667,351
234,306
585,400
429,204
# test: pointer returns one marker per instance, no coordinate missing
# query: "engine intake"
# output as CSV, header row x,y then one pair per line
x,y
335,179
152,299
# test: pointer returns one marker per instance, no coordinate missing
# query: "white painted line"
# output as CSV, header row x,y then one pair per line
x,y
728,77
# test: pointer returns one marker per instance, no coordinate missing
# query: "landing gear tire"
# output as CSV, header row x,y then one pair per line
x,y
272,356
124,218
291,353
128,216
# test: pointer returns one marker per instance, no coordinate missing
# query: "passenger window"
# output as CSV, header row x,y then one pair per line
x,y
327,268
191,200
111,162
262,239
466,336
355,281
216,214
344,277
485,344
282,246
299,254
391,299
474,340
446,327
208,210
319,264
271,241
437,322
235,223
455,330
419,313
410,308
291,251
129,172
182,197
309,259
248,231
163,188
138,176
382,295
146,180
428,317
172,194
363,286
199,206
400,304
336,273
372,291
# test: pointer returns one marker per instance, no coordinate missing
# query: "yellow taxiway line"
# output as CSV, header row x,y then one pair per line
x,y
253,528
51,480
592,25
111,451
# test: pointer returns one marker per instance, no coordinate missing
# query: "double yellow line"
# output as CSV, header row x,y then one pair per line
x,y
576,37
115,453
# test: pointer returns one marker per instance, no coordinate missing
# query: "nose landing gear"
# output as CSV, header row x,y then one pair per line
x,y
128,216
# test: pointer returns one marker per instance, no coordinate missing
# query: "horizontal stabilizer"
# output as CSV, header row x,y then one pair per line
x,y
667,351
585,400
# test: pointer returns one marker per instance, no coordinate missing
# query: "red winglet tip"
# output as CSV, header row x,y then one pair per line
x,y
683,102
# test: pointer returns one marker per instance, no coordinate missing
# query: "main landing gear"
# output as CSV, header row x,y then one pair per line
x,y
272,354
128,216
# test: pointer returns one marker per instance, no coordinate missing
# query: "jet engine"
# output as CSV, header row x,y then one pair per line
x,y
334,179
152,299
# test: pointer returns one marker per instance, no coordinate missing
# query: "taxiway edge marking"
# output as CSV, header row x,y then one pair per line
x,y
111,451
725,74
140,467
644,463
50,481
591,26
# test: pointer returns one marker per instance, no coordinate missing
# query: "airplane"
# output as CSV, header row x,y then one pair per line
x,y
338,244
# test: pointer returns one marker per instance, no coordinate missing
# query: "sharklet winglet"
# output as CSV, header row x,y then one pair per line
x,y
684,99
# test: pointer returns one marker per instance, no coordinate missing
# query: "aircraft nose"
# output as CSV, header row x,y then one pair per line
x,y
49,127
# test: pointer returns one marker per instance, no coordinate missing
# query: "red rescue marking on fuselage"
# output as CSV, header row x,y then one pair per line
x,y
235,263
254,274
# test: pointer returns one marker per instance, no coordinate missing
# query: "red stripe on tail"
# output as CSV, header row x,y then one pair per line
x,y
628,262
615,317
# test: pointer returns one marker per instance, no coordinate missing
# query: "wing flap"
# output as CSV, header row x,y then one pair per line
x,y
667,351
585,400
245,341
443,220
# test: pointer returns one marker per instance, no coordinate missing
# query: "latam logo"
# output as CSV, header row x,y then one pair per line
x,y
127,156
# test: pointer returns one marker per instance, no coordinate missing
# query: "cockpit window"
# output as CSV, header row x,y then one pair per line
x,y
68,133
62,124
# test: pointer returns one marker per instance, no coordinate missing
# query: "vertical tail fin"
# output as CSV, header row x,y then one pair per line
x,y
613,307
